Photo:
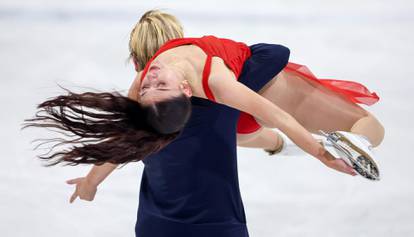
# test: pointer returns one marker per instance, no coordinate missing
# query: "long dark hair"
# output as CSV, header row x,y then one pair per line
x,y
108,127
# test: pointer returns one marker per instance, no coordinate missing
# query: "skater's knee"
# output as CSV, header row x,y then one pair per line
x,y
376,130
380,134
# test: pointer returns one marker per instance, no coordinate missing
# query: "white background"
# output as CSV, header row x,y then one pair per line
x,y
83,45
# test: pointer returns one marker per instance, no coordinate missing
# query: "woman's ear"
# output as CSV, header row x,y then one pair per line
x,y
186,88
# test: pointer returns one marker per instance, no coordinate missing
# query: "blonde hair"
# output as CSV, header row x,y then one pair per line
x,y
150,33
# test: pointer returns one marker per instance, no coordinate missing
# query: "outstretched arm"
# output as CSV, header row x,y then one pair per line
x,y
237,95
86,187
232,93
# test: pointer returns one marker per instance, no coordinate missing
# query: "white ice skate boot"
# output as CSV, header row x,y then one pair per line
x,y
355,150
288,148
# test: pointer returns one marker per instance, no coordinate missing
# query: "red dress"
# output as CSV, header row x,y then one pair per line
x,y
234,54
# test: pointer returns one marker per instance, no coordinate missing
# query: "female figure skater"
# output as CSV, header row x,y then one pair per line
x,y
196,67
190,187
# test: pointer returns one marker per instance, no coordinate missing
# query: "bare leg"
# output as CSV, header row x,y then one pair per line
x,y
318,108
265,138
370,127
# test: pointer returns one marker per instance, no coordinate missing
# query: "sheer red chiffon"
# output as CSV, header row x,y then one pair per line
x,y
353,91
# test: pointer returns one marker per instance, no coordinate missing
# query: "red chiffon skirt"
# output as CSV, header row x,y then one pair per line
x,y
353,91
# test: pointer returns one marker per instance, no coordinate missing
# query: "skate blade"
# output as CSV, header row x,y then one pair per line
x,y
363,164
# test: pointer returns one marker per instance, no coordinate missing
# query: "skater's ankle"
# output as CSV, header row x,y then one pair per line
x,y
278,146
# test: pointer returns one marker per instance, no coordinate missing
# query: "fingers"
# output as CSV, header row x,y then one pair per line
x,y
87,198
349,170
74,196
76,193
73,181
82,197
343,167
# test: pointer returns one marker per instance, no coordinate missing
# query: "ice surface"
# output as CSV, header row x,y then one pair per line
x,y
83,44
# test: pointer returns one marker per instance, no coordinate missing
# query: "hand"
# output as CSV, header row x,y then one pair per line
x,y
85,190
337,164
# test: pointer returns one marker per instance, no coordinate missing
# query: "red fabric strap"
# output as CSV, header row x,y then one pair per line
x,y
206,75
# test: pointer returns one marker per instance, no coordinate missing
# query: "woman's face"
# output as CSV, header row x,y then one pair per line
x,y
160,83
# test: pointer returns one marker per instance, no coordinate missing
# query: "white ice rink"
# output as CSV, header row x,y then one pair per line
x,y
83,44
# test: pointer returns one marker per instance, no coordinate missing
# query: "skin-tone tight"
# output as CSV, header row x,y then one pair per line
x,y
314,107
